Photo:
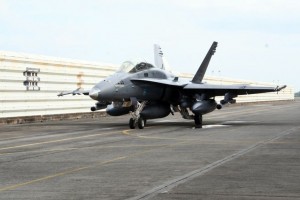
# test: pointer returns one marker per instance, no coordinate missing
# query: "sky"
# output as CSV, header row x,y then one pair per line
x,y
258,40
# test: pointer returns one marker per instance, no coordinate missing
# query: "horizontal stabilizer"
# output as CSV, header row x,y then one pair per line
x,y
202,69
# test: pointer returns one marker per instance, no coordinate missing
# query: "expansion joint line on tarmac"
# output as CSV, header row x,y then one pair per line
x,y
196,173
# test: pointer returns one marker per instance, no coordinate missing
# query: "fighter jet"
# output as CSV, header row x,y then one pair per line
x,y
148,92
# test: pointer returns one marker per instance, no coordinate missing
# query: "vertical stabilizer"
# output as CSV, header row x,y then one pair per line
x,y
160,60
202,69
158,57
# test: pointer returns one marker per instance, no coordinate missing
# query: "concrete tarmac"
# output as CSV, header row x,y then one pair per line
x,y
242,152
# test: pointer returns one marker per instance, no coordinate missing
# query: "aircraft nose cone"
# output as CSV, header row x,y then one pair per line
x,y
94,94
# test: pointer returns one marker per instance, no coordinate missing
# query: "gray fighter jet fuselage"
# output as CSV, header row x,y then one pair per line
x,y
148,92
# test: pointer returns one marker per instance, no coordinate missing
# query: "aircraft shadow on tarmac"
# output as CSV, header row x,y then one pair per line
x,y
122,124
189,124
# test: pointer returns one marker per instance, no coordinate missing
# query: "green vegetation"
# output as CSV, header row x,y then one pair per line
x,y
297,94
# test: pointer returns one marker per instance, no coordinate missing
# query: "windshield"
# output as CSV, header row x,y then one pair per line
x,y
132,67
126,66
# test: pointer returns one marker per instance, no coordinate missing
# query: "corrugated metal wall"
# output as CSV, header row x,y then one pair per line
x,y
18,98
29,85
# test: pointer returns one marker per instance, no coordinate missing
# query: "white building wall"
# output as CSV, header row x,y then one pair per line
x,y
54,75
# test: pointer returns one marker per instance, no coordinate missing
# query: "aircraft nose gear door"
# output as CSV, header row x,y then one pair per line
x,y
136,117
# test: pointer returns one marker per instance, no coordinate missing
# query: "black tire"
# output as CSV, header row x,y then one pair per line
x,y
141,123
198,121
131,123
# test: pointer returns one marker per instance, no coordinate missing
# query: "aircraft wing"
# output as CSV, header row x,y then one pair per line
x,y
220,90
78,91
210,89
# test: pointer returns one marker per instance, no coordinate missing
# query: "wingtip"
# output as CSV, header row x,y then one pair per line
x,y
280,88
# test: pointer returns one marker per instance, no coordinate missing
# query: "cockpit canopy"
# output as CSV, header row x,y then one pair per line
x,y
133,67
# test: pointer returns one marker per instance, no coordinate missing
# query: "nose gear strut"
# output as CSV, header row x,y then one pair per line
x,y
136,117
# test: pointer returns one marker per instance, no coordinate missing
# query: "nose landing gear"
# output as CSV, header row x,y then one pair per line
x,y
140,123
136,117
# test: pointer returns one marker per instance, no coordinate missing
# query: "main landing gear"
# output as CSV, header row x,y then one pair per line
x,y
136,119
198,121
197,117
